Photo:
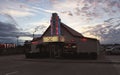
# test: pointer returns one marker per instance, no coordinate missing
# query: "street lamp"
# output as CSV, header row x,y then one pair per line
x,y
33,35
17,40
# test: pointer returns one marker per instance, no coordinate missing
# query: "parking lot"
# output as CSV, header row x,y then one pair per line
x,y
19,65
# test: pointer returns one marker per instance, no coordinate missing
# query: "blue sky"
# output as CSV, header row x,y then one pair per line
x,y
93,18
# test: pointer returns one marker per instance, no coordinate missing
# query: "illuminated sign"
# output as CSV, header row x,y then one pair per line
x,y
35,42
62,39
84,39
53,39
55,25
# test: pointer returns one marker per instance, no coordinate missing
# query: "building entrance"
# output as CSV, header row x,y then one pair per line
x,y
55,50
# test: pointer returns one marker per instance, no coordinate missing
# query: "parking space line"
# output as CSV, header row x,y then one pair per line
x,y
11,73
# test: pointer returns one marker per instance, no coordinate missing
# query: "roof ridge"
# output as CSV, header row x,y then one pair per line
x,y
72,31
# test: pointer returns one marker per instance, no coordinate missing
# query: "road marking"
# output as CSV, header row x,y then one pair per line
x,y
10,73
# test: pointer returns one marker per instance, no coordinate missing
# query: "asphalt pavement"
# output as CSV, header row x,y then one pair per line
x,y
19,65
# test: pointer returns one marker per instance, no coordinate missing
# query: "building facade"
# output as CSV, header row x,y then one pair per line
x,y
59,40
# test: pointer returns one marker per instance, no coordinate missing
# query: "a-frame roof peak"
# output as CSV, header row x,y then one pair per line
x,y
72,31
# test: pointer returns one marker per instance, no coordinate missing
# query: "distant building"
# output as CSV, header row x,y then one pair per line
x,y
8,45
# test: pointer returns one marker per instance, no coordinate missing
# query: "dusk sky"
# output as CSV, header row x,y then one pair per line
x,y
93,18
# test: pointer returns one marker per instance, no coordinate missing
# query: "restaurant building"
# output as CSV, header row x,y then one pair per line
x,y
59,40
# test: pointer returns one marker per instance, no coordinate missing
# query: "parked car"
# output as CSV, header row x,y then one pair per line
x,y
113,50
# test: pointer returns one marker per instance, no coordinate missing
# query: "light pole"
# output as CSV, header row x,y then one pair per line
x,y
33,34
17,40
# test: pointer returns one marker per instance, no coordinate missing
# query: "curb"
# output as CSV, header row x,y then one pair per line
x,y
73,61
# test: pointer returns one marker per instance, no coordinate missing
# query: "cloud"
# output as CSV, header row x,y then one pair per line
x,y
44,10
98,7
84,8
17,13
15,8
37,28
32,0
7,27
9,32
107,32
40,27
76,13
